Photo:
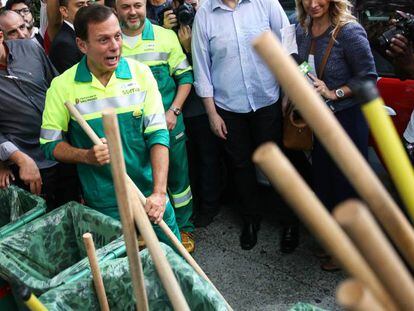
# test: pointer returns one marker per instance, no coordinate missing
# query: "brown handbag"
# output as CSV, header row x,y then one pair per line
x,y
297,135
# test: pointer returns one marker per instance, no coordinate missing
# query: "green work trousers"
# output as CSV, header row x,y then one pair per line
x,y
178,185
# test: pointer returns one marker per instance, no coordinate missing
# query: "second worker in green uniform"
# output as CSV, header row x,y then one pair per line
x,y
160,49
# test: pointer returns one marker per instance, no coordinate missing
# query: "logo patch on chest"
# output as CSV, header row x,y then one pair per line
x,y
85,99
129,88
130,91
149,47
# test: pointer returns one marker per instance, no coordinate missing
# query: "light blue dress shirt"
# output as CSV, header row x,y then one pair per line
x,y
225,65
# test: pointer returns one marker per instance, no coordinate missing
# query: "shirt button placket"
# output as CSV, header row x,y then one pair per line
x,y
244,61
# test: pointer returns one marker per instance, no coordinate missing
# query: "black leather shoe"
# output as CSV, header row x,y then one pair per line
x,y
289,240
248,238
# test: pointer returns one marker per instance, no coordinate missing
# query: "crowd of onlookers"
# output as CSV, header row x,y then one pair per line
x,y
219,100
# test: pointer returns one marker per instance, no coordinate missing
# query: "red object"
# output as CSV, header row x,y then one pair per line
x,y
398,95
46,42
5,291
7,56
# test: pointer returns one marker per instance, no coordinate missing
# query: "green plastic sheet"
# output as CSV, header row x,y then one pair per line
x,y
80,295
18,207
49,251
301,306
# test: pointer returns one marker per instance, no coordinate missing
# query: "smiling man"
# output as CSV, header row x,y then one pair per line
x,y
104,79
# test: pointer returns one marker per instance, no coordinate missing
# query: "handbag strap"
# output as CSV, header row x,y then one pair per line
x,y
331,43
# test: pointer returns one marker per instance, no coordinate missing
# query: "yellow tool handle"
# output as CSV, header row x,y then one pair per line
x,y
34,304
392,150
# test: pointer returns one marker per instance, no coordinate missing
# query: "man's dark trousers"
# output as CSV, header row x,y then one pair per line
x,y
246,131
204,157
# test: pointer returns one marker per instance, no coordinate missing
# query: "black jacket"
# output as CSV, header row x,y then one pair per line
x,y
64,52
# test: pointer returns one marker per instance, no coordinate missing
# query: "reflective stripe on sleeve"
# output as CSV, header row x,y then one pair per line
x,y
183,65
51,135
150,56
154,119
98,105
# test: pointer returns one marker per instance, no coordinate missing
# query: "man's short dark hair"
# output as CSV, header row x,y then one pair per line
x,y
92,14
10,3
63,3
110,3
4,12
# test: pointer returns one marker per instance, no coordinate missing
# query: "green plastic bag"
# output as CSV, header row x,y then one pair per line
x,y
18,207
80,295
49,251
301,306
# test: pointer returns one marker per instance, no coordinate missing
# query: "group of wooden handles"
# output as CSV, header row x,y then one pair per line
x,y
379,278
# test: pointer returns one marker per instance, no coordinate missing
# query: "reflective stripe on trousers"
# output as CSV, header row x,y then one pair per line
x,y
182,199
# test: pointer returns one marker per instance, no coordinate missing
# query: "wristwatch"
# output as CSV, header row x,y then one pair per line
x,y
339,93
177,111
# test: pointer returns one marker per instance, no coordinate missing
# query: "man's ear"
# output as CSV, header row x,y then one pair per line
x,y
1,37
64,11
81,45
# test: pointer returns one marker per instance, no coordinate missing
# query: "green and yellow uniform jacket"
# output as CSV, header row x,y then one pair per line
x,y
160,49
133,92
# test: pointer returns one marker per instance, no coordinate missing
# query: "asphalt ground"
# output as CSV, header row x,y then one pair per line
x,y
264,278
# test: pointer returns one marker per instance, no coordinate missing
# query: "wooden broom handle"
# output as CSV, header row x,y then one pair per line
x,y
83,124
167,231
123,189
315,216
336,141
352,295
171,236
128,227
125,213
361,227
96,273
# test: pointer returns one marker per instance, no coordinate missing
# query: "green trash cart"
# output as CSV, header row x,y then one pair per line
x,y
80,295
49,251
17,208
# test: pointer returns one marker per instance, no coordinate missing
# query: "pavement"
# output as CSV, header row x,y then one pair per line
x,y
264,278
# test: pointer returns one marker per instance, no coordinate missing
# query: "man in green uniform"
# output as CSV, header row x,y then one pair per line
x,y
104,79
160,49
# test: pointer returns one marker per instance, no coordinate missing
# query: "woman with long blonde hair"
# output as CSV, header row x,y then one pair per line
x,y
339,13
336,46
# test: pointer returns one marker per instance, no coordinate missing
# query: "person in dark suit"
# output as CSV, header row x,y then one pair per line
x,y
64,52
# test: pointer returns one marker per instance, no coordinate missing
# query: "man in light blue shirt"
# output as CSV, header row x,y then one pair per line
x,y
239,92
